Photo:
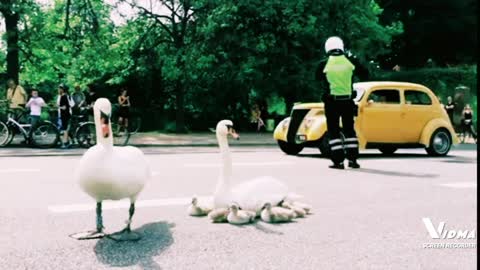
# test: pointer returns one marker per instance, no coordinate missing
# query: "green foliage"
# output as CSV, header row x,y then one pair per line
x,y
442,81
442,30
77,53
231,54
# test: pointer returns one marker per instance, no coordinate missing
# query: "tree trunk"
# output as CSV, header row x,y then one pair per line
x,y
180,112
11,25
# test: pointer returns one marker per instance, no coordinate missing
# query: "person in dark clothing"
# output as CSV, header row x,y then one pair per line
x,y
90,98
123,110
65,112
450,108
467,125
335,74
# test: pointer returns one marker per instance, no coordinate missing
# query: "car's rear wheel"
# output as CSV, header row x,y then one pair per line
x,y
440,143
387,149
290,148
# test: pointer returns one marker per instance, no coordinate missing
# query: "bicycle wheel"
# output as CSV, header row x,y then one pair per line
x,y
134,124
45,135
121,138
86,135
4,134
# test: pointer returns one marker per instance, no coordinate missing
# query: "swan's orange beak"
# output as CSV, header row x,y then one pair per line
x,y
105,130
234,134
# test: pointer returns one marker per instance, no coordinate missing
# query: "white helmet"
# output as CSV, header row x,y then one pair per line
x,y
333,43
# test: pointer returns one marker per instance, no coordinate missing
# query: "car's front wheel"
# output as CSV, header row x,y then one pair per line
x,y
290,148
440,143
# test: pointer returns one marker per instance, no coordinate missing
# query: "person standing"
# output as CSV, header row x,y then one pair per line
x,y
16,96
90,98
336,74
124,110
450,108
467,125
64,107
35,104
78,100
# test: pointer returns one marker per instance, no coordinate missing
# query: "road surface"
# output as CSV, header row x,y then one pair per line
x,y
369,218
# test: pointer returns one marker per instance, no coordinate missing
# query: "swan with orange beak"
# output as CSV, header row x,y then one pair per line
x,y
108,172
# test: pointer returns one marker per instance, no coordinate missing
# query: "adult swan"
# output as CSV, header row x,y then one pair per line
x,y
106,172
250,195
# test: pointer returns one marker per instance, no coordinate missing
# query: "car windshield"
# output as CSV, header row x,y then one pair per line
x,y
360,92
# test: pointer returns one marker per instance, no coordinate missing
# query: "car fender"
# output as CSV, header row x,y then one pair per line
x,y
433,125
317,128
280,132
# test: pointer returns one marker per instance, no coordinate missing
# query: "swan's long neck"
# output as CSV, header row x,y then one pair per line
x,y
226,168
107,143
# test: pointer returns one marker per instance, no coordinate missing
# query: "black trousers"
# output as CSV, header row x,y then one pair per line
x,y
334,111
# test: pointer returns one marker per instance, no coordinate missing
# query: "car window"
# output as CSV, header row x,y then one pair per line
x,y
385,96
414,97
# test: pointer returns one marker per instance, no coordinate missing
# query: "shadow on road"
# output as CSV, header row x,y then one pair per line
x,y
394,173
448,158
259,226
375,156
156,238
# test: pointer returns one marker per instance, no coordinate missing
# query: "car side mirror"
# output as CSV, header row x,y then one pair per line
x,y
370,102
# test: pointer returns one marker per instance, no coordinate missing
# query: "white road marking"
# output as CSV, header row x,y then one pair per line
x,y
124,204
246,164
18,170
460,185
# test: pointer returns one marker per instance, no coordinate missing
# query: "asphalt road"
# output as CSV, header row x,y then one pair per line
x,y
369,218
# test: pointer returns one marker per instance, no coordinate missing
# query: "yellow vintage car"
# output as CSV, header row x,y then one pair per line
x,y
391,115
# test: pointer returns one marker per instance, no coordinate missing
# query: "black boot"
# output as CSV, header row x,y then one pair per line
x,y
337,166
353,164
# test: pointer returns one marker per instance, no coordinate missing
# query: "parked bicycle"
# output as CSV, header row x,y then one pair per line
x,y
134,122
83,132
44,135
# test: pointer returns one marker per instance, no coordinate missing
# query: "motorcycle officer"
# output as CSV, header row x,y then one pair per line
x,y
336,74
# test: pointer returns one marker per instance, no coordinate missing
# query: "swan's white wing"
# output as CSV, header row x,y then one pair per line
x,y
253,194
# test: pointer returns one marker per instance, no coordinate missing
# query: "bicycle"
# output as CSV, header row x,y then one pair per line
x,y
44,135
83,131
134,122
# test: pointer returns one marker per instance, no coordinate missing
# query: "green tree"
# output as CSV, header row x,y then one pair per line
x,y
442,30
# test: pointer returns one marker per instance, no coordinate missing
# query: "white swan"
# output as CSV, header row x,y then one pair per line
x,y
106,172
250,195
